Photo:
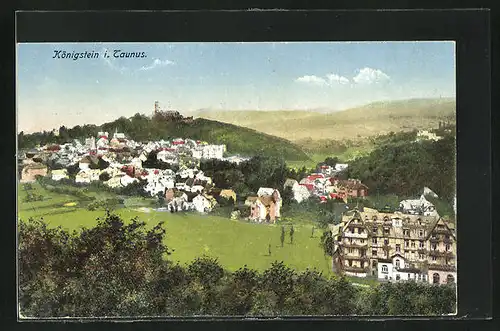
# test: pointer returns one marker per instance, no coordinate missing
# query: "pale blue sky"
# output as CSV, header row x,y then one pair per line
x,y
189,76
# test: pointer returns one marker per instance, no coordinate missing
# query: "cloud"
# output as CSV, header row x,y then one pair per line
x,y
370,76
314,80
334,78
329,80
157,63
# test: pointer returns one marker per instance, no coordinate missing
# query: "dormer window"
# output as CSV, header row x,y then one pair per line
x,y
397,264
421,233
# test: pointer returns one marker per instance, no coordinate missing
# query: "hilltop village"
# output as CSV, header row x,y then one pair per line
x,y
412,243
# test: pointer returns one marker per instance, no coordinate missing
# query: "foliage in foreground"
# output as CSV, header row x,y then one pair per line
x,y
119,268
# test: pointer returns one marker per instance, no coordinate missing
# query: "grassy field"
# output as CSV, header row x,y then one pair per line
x,y
370,120
234,243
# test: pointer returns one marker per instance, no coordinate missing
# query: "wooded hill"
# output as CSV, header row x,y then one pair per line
x,y
238,140
355,123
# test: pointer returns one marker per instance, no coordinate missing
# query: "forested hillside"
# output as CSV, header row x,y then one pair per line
x,y
239,140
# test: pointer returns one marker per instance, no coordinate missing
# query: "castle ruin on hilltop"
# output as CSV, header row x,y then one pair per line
x,y
169,115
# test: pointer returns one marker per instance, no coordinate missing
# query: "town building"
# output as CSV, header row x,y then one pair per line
x,y
424,245
419,206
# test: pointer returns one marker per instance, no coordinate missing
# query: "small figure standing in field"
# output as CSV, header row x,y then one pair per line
x,y
269,249
291,234
282,238
312,232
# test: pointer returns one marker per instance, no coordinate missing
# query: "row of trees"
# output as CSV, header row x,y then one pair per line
x,y
119,268
247,177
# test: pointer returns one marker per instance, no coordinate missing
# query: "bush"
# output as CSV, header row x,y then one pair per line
x,y
119,269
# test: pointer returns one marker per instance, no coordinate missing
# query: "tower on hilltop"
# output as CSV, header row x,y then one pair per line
x,y
157,107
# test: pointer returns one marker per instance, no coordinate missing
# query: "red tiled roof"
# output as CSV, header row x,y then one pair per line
x,y
178,142
308,186
316,176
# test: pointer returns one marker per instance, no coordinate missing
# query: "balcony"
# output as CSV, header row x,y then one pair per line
x,y
436,253
355,235
442,231
353,245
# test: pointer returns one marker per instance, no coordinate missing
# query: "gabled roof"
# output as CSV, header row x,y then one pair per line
x,y
433,225
397,254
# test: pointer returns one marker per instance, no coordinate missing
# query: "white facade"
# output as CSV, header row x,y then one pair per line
x,y
209,151
397,269
341,166
415,207
59,174
201,204
83,165
300,193
127,180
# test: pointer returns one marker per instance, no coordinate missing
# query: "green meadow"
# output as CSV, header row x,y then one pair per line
x,y
234,243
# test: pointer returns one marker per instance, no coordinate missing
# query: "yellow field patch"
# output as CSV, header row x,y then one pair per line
x,y
70,204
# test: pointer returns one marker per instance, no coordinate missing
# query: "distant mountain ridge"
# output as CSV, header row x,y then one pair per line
x,y
370,120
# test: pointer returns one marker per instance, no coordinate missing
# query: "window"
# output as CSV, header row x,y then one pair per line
x,y
409,276
385,269
433,258
350,240
397,264
406,232
374,240
374,230
398,248
447,247
412,244
421,233
435,278
386,241
421,244
421,256
362,241
374,252
349,262
407,243
386,231
419,277
450,279
350,250
433,247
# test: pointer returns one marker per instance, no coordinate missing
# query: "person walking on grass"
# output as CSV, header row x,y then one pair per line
x,y
291,234
269,249
282,238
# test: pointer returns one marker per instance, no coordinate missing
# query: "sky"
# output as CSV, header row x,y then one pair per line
x,y
54,90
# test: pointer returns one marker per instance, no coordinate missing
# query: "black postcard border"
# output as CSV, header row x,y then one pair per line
x,y
470,30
